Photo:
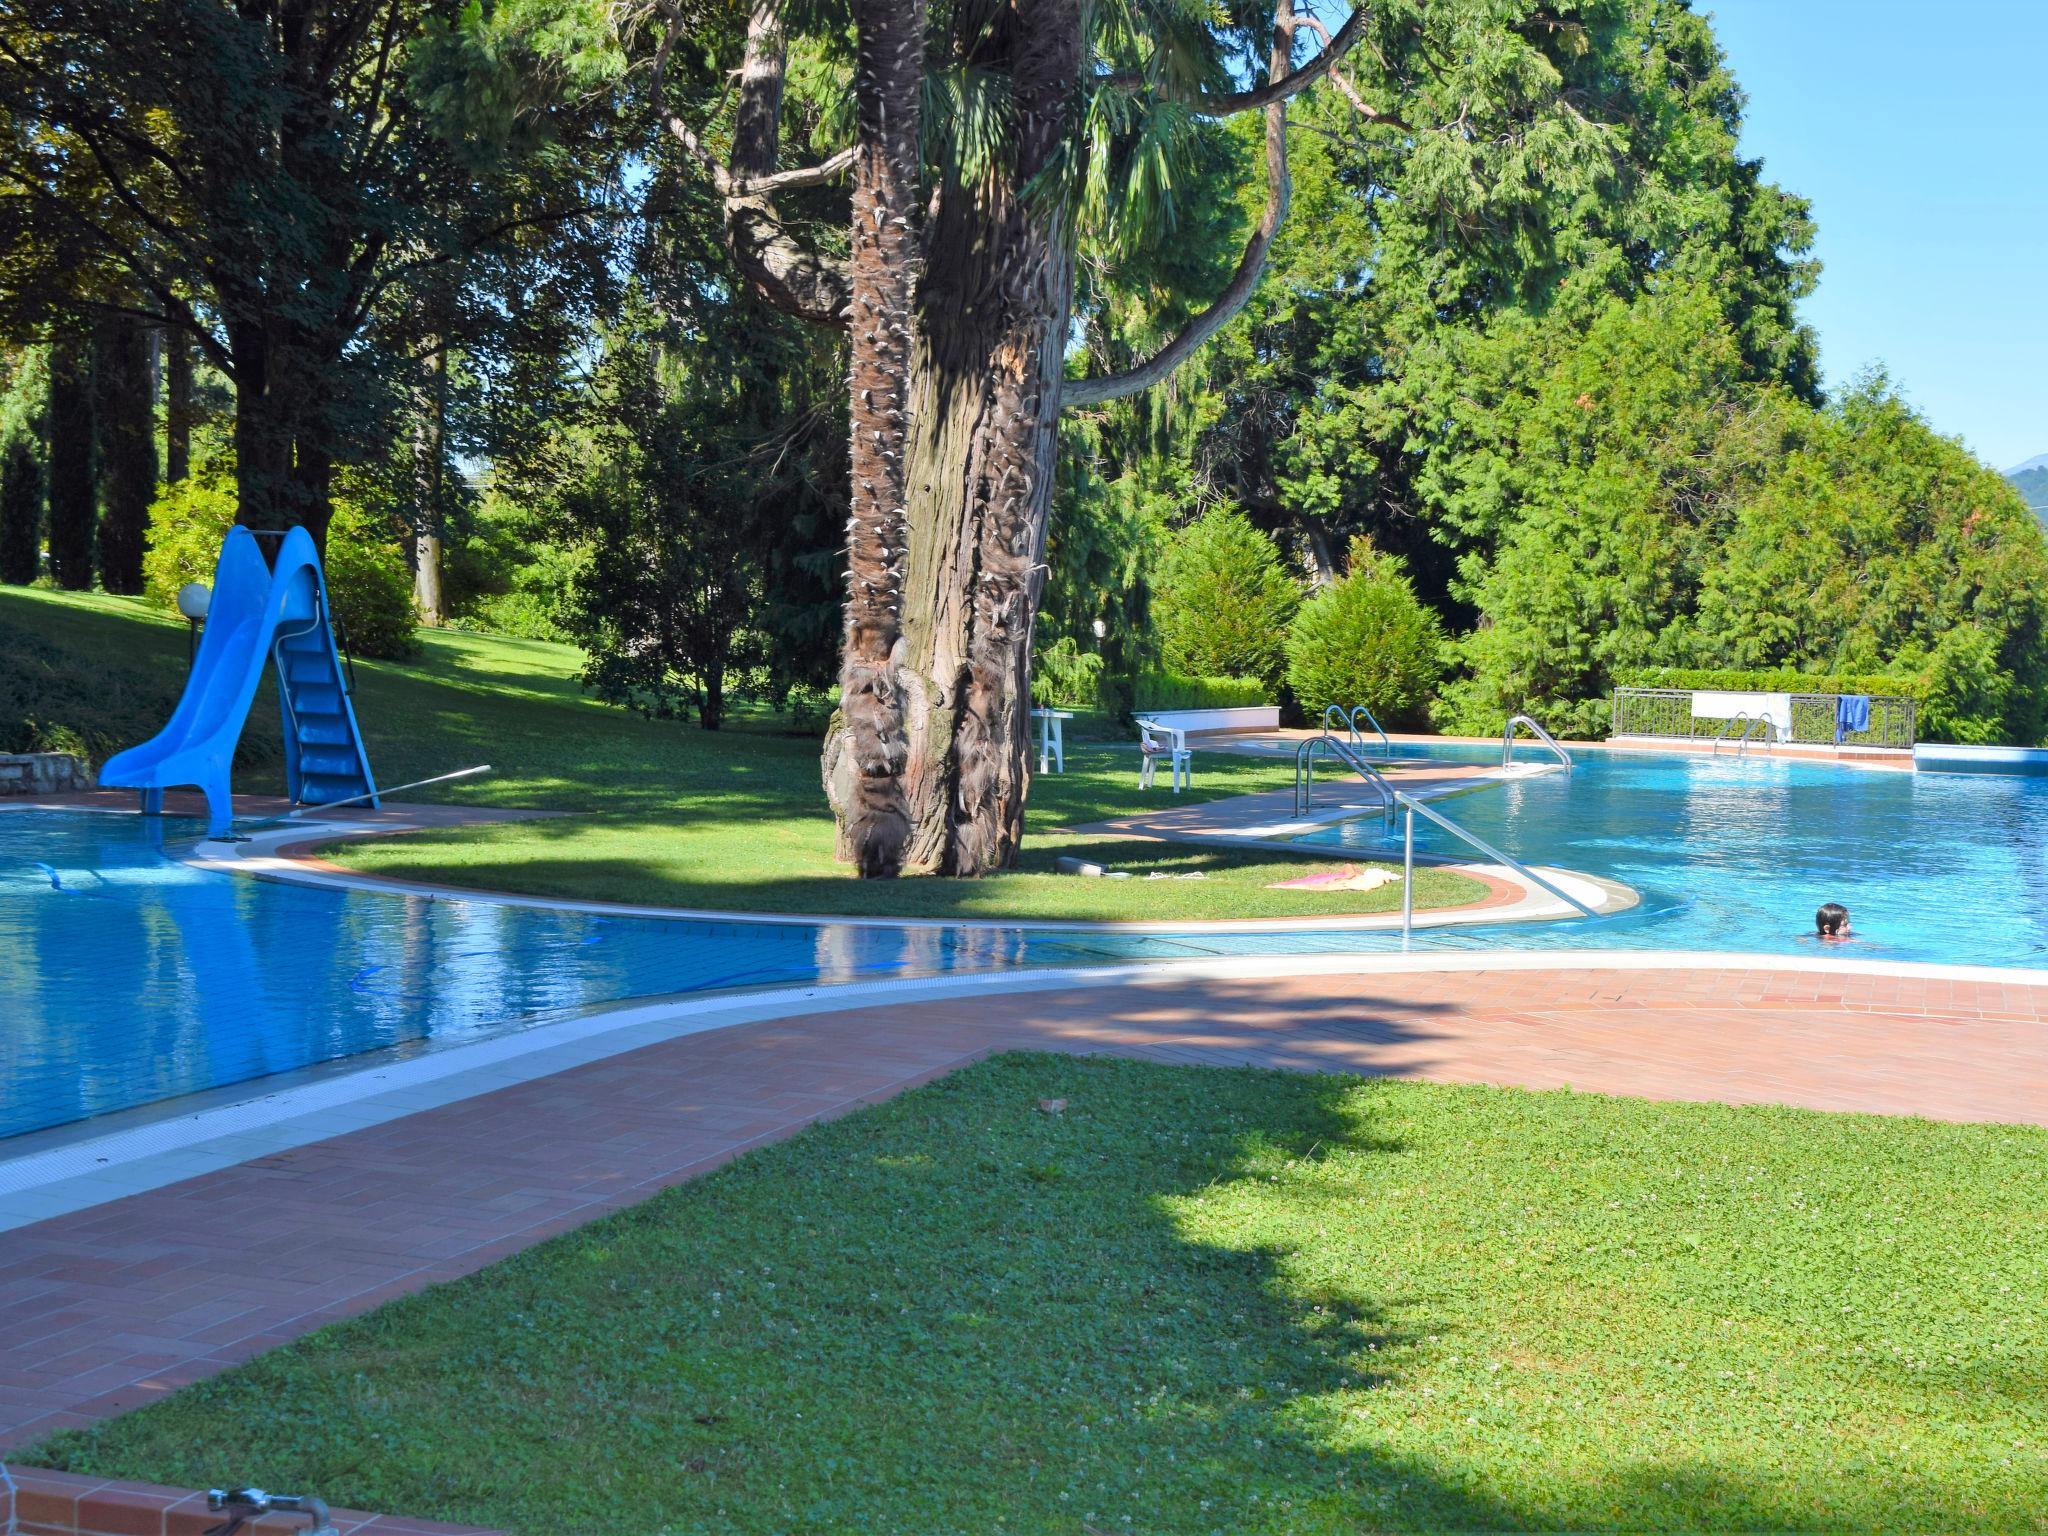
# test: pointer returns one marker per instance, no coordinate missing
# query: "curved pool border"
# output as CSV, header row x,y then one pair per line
x,y
68,1168
284,853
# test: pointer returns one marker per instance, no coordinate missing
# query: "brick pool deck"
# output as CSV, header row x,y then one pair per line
x,y
109,1307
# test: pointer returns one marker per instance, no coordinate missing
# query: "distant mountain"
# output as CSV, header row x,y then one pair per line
x,y
2032,480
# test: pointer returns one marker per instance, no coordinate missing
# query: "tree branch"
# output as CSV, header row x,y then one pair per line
x,y
1279,192
791,277
1282,79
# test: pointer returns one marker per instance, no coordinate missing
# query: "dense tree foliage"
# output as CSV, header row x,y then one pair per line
x,y
1111,334
127,448
1224,602
689,512
272,179
71,482
24,402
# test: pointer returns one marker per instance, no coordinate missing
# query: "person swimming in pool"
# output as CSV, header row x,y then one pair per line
x,y
1831,924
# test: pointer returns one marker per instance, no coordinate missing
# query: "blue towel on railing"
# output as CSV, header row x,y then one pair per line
x,y
1852,714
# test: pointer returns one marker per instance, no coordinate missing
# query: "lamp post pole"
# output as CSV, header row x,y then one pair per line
x,y
194,598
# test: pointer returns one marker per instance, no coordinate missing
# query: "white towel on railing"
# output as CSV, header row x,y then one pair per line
x,y
1710,704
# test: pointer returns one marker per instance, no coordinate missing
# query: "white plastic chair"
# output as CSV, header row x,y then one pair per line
x,y
1156,741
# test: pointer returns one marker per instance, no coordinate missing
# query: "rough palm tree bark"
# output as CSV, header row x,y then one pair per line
x,y
888,80
985,389
985,376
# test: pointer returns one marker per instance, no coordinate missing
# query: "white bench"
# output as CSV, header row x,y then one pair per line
x,y
1168,741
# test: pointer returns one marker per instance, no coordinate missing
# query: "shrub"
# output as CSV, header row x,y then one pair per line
x,y
1967,695
371,588
1223,602
1063,676
366,573
1171,690
1367,639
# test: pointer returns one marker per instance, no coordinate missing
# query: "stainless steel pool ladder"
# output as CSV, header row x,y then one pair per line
x,y
1750,725
1335,746
1349,720
1411,805
1507,741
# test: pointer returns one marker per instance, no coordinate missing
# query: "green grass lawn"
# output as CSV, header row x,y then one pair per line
x,y
1205,1300
663,812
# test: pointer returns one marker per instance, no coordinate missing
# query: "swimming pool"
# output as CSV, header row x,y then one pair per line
x,y
128,977
1734,853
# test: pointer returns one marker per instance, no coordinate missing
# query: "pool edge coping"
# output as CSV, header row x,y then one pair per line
x,y
155,1151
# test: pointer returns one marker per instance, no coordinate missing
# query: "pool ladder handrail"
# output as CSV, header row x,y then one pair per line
x,y
1349,720
1386,741
1304,772
1750,724
1411,805
1507,742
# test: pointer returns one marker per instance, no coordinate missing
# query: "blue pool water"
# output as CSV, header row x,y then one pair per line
x,y
128,977
1735,853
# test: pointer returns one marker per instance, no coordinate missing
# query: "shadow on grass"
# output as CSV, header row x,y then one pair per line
x,y
952,1313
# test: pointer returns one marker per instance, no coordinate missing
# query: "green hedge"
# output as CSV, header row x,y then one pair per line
x,y
1170,690
1731,681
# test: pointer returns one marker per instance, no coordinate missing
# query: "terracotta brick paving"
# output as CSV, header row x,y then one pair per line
x,y
110,1307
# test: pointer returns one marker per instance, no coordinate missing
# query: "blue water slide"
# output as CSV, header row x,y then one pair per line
x,y
259,614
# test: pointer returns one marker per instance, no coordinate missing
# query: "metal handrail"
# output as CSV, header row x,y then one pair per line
x,y
1742,746
1507,741
1343,719
1304,772
1385,740
1722,735
1412,805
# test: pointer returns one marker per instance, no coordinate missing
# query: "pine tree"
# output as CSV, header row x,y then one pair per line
x,y
21,511
72,490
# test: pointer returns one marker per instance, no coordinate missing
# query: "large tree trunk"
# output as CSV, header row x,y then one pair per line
x,y
73,495
178,405
127,440
283,469
888,79
428,461
984,400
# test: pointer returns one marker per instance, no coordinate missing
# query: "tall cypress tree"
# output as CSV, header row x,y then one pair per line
x,y
124,419
21,511
72,492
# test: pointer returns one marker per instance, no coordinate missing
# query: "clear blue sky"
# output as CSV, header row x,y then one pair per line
x,y
1920,133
